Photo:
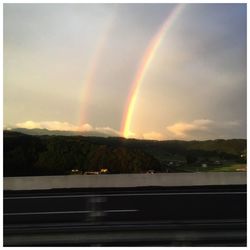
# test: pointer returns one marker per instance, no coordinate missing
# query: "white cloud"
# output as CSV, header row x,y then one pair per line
x,y
65,126
107,130
153,136
181,129
29,125
85,127
50,125
199,129
130,134
202,129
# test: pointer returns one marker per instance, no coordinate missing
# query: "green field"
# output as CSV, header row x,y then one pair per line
x,y
221,168
231,168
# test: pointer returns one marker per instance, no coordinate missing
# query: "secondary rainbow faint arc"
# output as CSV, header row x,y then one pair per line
x,y
90,78
93,66
149,54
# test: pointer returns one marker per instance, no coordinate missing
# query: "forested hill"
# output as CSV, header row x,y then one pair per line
x,y
54,155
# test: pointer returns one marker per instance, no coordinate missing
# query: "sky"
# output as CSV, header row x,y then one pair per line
x,y
148,71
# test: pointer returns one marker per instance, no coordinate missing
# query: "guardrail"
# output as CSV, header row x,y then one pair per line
x,y
124,180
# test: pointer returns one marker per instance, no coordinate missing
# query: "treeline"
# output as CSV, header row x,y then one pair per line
x,y
26,155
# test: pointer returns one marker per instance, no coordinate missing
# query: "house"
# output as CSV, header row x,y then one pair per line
x,y
150,171
91,173
104,171
75,171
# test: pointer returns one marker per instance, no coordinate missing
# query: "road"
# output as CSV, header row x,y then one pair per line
x,y
172,216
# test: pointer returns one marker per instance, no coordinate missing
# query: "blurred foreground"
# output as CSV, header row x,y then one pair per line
x,y
198,209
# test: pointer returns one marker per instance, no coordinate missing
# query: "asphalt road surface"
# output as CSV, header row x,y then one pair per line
x,y
180,216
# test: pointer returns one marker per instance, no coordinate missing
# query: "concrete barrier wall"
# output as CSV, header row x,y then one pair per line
x,y
124,180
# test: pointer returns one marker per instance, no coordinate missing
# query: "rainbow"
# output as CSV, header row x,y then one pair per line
x,y
90,78
147,58
93,66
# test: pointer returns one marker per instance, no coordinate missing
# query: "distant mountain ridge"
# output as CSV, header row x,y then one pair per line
x,y
38,131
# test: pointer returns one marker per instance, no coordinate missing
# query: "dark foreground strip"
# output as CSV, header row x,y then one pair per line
x,y
152,216
57,191
203,233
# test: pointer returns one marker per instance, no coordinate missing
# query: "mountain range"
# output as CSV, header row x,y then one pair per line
x,y
38,131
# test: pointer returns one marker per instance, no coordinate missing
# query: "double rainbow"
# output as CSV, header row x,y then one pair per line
x,y
147,58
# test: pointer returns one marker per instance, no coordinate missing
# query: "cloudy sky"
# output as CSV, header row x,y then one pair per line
x,y
71,67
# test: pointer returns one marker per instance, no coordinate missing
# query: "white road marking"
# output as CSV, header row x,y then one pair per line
x,y
53,212
111,195
120,211
72,212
